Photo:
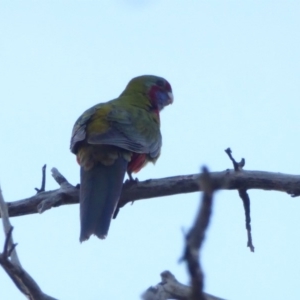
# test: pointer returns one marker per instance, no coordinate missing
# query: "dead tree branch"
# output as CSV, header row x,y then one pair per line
x,y
170,288
195,237
225,180
11,264
245,198
43,185
246,202
9,243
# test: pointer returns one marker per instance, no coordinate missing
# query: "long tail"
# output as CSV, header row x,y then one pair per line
x,y
100,191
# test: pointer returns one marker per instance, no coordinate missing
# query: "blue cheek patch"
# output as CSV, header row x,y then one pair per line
x,y
162,99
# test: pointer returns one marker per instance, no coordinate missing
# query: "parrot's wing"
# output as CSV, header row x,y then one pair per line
x,y
128,132
79,129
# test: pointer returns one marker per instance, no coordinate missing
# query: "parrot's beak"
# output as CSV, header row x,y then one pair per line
x,y
171,98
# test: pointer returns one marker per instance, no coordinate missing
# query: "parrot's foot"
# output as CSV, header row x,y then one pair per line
x,y
131,178
130,182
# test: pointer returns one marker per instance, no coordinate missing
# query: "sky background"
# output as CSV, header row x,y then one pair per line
x,y
235,71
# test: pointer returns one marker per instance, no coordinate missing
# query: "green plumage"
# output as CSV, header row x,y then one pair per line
x,y
112,137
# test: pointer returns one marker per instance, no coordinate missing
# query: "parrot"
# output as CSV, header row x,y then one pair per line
x,y
114,138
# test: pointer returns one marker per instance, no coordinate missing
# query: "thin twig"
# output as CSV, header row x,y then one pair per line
x,y
6,243
245,198
7,230
246,202
59,178
43,185
237,166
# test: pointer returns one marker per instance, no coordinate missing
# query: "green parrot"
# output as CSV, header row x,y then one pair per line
x,y
113,138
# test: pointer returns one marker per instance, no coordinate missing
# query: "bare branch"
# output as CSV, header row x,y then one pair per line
x,y
237,166
43,185
9,244
170,288
55,200
226,180
245,198
195,237
11,264
59,178
23,280
246,202
8,249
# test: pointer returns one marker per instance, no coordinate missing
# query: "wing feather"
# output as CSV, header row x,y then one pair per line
x,y
133,129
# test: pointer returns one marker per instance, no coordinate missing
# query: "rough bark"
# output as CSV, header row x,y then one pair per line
x,y
170,288
11,264
152,188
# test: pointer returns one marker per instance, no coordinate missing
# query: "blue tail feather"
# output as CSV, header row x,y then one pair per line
x,y
100,190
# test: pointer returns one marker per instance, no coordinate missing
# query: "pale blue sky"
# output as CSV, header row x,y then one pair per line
x,y
235,71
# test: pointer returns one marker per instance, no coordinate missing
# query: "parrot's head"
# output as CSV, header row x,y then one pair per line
x,y
157,89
